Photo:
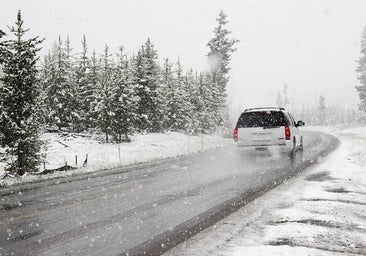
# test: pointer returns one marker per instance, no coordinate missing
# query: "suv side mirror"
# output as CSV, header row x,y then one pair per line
x,y
300,123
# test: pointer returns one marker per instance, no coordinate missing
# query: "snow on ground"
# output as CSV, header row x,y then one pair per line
x,y
62,149
320,212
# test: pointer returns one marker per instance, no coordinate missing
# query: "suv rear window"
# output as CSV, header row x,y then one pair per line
x,y
262,119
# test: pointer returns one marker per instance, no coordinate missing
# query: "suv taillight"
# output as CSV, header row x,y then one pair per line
x,y
287,133
235,135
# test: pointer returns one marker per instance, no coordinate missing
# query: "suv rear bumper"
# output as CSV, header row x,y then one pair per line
x,y
283,149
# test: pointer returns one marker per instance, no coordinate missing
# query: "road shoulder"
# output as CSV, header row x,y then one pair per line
x,y
320,212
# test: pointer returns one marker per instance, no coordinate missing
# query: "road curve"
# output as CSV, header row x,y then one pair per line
x,y
145,208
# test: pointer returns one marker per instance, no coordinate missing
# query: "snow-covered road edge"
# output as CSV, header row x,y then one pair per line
x,y
320,212
143,148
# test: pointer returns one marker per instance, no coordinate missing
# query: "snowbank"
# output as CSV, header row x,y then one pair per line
x,y
71,147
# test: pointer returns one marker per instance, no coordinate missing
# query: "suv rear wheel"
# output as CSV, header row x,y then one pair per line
x,y
292,155
296,155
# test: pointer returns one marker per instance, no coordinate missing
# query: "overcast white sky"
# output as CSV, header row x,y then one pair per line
x,y
310,45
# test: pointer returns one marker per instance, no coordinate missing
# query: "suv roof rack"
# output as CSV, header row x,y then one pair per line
x,y
279,108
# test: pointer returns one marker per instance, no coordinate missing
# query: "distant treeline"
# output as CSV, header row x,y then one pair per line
x,y
327,115
120,95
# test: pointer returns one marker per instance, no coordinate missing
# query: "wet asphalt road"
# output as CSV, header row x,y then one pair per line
x,y
142,208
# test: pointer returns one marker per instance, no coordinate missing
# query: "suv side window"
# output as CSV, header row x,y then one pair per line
x,y
289,118
292,119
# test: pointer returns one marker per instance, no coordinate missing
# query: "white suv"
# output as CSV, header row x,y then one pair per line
x,y
269,128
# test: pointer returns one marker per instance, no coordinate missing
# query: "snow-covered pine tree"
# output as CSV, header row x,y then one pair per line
x,y
175,95
140,87
90,94
167,89
361,73
82,86
190,102
105,95
44,76
59,90
75,100
124,102
19,120
146,83
208,92
155,112
3,49
3,53
3,56
220,49
202,106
